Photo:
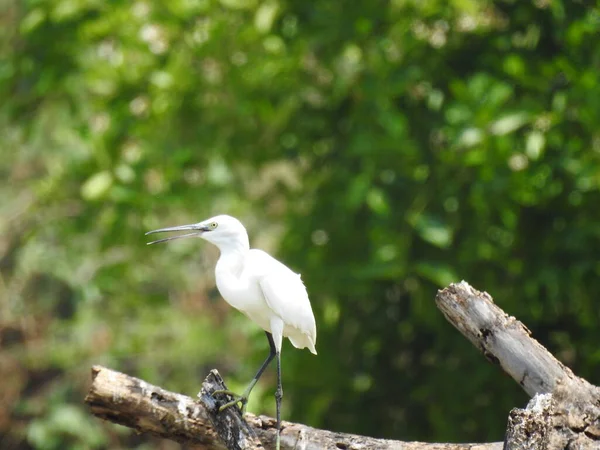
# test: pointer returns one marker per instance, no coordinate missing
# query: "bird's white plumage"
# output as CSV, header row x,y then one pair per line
x,y
258,285
286,296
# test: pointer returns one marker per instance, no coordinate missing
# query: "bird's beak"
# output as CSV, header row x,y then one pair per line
x,y
197,228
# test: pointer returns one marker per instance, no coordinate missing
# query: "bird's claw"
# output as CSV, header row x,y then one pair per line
x,y
243,399
235,401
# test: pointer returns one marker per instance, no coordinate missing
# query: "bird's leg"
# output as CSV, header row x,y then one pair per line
x,y
278,397
243,399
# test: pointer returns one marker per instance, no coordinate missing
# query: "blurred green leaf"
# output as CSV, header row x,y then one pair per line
x,y
508,124
440,274
97,186
432,230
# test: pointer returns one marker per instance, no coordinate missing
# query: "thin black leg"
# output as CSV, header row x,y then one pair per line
x,y
243,399
278,397
272,353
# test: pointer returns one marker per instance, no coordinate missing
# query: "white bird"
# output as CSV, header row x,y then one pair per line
x,y
262,288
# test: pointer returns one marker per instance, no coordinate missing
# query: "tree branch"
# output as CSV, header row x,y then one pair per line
x,y
501,338
565,409
132,402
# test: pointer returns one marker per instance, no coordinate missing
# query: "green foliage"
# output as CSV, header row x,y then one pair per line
x,y
65,425
383,149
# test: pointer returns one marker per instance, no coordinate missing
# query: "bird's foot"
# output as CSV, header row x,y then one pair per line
x,y
243,399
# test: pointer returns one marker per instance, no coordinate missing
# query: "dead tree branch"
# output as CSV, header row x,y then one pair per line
x,y
129,401
565,410
501,338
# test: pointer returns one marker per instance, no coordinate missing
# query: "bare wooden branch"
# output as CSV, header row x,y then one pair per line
x,y
565,412
132,402
502,338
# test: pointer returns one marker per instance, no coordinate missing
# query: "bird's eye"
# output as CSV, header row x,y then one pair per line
x,y
213,225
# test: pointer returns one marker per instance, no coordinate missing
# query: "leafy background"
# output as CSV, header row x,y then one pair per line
x,y
381,148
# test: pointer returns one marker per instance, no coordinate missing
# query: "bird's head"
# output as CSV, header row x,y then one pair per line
x,y
223,231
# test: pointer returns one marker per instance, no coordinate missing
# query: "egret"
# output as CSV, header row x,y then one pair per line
x,y
262,288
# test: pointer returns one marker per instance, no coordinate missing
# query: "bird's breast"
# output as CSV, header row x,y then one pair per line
x,y
247,297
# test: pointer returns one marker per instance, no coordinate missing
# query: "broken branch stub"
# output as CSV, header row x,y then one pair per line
x,y
229,424
501,338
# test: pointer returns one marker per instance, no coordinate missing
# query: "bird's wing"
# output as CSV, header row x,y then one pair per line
x,y
285,294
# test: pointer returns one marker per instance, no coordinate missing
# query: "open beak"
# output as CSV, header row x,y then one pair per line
x,y
197,228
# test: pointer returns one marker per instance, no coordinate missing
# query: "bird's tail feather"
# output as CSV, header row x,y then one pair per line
x,y
302,340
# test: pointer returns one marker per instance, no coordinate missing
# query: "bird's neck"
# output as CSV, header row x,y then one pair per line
x,y
232,257
231,282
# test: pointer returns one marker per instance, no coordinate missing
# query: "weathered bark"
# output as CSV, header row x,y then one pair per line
x,y
132,402
568,415
229,424
528,428
501,338
129,401
569,418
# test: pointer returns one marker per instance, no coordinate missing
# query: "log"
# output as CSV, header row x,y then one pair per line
x,y
132,402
